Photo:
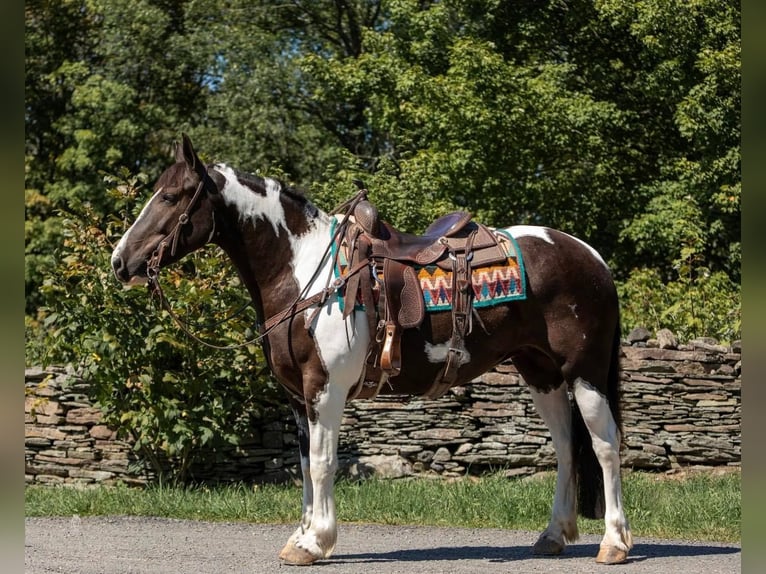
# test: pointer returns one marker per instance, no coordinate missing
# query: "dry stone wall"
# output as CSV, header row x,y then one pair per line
x,y
681,407
65,439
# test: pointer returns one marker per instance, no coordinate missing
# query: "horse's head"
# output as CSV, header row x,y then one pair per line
x,y
178,219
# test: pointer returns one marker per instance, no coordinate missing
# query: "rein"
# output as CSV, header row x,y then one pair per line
x,y
301,302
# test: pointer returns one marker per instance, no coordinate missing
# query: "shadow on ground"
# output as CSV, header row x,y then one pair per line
x,y
639,553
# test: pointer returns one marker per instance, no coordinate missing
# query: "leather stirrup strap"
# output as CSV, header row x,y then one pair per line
x,y
462,299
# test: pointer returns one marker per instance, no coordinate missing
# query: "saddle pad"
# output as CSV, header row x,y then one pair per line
x,y
492,285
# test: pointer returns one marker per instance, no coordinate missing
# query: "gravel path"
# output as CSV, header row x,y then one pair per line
x,y
136,545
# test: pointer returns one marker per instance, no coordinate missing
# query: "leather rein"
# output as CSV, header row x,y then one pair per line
x,y
301,302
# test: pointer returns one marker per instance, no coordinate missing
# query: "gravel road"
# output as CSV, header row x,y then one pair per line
x,y
137,545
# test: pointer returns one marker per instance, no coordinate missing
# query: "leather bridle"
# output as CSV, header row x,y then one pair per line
x,y
153,271
153,264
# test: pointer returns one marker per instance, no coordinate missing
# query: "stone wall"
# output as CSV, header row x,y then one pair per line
x,y
681,407
64,438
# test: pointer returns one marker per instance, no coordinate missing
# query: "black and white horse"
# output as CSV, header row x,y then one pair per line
x,y
563,338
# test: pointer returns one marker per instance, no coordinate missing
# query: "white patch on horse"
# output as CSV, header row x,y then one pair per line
x,y
125,238
438,354
250,204
605,437
518,231
556,412
321,534
341,343
530,231
308,250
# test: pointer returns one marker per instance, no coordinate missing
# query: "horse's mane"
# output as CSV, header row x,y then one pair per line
x,y
258,182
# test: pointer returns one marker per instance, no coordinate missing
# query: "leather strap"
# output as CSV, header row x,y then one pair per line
x,y
461,319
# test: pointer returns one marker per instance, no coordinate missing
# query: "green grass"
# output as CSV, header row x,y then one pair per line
x,y
700,506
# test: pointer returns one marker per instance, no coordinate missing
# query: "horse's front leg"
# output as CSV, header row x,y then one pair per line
x,y
316,539
302,424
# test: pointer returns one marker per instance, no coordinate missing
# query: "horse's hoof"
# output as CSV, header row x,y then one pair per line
x,y
611,555
295,556
547,546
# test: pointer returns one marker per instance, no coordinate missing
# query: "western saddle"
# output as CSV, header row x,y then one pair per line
x,y
453,242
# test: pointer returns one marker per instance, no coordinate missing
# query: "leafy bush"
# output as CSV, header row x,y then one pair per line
x,y
171,395
698,303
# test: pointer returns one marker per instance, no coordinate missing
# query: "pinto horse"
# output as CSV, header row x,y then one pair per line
x,y
563,338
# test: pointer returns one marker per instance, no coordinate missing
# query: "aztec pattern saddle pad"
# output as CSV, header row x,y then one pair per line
x,y
492,285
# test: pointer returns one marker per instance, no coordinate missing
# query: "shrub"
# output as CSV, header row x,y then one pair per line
x,y
175,398
698,303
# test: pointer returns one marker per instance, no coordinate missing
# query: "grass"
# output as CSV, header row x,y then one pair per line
x,y
699,506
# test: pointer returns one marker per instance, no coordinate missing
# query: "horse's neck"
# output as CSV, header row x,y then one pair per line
x,y
276,242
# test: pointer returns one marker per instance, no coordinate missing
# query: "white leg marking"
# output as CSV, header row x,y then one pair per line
x,y
556,412
342,345
320,537
606,444
308,490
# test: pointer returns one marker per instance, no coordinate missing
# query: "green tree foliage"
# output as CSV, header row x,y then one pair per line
x,y
108,85
615,121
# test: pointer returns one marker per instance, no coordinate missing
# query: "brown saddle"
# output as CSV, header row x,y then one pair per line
x,y
449,233
453,242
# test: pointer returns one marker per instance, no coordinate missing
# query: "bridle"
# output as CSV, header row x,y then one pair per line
x,y
153,272
153,264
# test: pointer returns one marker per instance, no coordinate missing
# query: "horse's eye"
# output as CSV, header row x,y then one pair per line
x,y
170,198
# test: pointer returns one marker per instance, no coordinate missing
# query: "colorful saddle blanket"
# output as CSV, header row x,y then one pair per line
x,y
492,285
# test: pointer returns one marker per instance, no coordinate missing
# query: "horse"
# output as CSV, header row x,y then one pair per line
x,y
564,338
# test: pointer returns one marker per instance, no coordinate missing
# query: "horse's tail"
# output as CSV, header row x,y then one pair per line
x,y
590,478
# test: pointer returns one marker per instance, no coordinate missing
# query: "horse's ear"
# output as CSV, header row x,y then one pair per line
x,y
185,153
179,155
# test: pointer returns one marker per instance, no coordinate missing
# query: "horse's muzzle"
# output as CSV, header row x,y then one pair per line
x,y
122,273
120,269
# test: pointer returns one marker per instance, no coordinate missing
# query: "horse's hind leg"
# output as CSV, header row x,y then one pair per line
x,y
555,410
605,437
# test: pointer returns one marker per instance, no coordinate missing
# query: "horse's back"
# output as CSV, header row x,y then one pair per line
x,y
559,265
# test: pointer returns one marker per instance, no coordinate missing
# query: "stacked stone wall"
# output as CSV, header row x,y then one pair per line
x,y
681,408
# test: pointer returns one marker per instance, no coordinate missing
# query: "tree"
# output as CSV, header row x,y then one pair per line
x,y
97,100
